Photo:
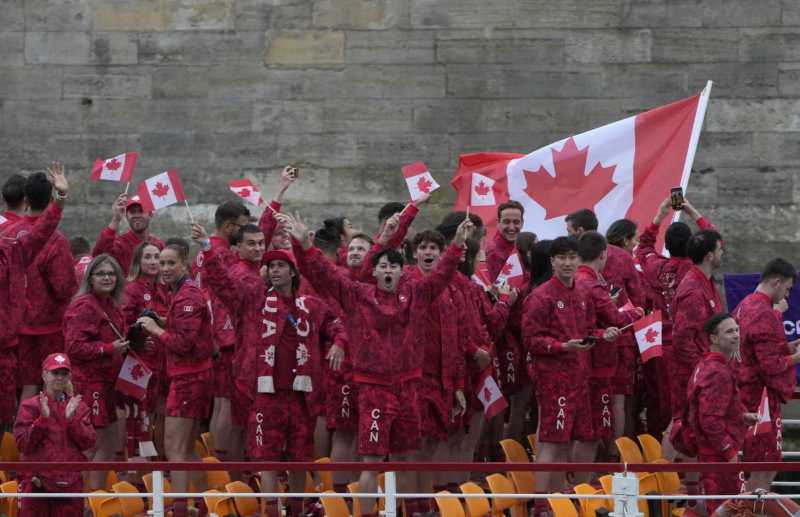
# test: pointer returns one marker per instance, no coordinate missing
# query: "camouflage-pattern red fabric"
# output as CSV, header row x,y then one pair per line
x,y
268,223
341,400
435,407
52,507
8,384
120,247
565,409
719,483
389,419
31,351
222,366
140,295
601,392
625,375
223,328
80,265
620,271
89,339
15,257
497,252
280,419
696,300
187,334
715,408
101,398
676,382
190,395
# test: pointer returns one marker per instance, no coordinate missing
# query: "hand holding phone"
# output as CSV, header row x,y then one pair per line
x,y
676,197
590,340
614,290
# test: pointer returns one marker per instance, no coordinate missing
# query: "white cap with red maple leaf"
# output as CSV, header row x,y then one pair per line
x,y
419,180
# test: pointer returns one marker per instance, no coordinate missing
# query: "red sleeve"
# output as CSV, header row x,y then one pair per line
x,y
33,242
30,428
366,265
185,322
496,256
82,324
633,285
535,325
326,278
80,428
649,259
772,354
606,312
713,401
495,317
59,270
226,287
705,224
106,243
268,223
131,306
688,329
406,218
332,330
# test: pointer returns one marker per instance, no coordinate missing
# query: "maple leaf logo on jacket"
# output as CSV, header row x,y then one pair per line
x,y
481,189
558,196
424,185
651,335
161,190
112,164
137,372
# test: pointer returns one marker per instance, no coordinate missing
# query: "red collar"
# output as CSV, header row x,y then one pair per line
x,y
675,260
417,273
589,271
219,242
31,218
715,356
502,242
250,264
11,217
133,237
763,297
558,283
703,278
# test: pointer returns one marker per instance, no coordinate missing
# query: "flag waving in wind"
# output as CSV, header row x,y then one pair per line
x,y
119,168
419,180
133,377
648,335
512,271
161,190
246,190
764,424
489,394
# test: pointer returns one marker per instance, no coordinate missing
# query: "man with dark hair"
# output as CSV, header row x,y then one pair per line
x,y
50,285
387,355
13,194
450,223
767,361
607,412
229,218
406,215
387,211
716,421
581,221
510,220
356,251
328,241
276,238
121,247
557,322
81,250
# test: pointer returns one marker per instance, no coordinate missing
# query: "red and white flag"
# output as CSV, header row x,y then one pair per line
x,y
133,377
627,307
419,180
621,170
159,191
489,394
119,168
512,271
3,222
484,191
481,277
246,190
648,335
764,424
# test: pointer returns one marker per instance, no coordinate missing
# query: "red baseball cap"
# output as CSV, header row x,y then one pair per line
x,y
56,362
133,200
284,255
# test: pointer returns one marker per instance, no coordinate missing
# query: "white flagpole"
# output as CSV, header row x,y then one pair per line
x,y
189,209
126,188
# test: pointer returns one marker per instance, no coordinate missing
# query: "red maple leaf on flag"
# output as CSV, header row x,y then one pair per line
x,y
651,335
245,192
507,268
487,394
424,185
481,189
571,189
112,164
161,190
137,372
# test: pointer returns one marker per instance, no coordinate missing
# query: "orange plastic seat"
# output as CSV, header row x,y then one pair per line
x,y
208,442
629,453
325,479
130,505
647,484
449,506
562,507
244,505
147,479
651,448
217,479
9,505
669,483
475,506
334,506
8,449
219,505
589,506
201,449
499,484
532,442
605,482
515,453
108,507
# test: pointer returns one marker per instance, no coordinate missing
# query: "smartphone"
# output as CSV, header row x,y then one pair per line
x,y
296,172
590,340
676,194
614,290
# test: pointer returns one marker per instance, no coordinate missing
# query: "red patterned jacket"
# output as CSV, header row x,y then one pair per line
x,y
89,338
140,295
222,325
15,256
766,359
120,247
696,300
268,223
384,346
620,271
715,408
187,336
497,252
51,281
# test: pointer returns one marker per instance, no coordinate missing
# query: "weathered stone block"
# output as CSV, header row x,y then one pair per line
x,y
273,14
608,46
775,44
490,81
448,116
305,47
568,13
130,15
464,14
80,48
13,18
239,82
113,48
135,116
360,14
219,116
402,149
390,47
63,15
725,150
326,150
41,116
393,82
789,79
776,149
735,79
179,150
180,82
29,83
791,12
372,116
751,186
200,15
201,48
695,45
109,86
768,115
663,13
568,115
499,47
12,48
288,116
662,83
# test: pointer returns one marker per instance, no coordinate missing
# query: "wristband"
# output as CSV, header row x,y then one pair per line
x,y
59,197
205,243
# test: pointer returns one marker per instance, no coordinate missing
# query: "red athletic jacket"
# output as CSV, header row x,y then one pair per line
x,y
621,271
89,338
262,320
492,318
715,408
120,246
81,263
497,252
222,325
15,256
140,295
187,336
267,222
604,364
10,219
384,345
696,300
553,314
766,360
51,281
51,439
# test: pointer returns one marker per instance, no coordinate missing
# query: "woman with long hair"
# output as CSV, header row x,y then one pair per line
x,y
93,326
186,338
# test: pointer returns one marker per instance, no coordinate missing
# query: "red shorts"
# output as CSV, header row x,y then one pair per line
x,y
601,393
341,400
8,386
101,399
565,409
767,446
389,419
435,407
719,483
512,371
278,419
32,351
240,407
190,395
625,375
223,373
677,382
639,383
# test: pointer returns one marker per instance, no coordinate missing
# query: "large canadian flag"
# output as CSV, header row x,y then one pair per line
x,y
133,377
246,190
119,168
621,170
512,271
418,180
648,335
489,394
159,191
764,424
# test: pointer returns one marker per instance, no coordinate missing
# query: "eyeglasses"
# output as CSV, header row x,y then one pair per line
x,y
103,274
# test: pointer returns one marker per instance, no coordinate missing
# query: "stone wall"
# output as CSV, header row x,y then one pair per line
x,y
350,90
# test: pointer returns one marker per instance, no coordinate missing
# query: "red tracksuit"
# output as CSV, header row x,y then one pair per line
x,y
47,440
765,362
554,314
716,423
385,348
14,260
696,300
497,252
51,284
10,219
81,263
120,247
187,341
89,339
604,363
268,223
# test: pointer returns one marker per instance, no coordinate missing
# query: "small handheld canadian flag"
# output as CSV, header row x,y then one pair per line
x,y
764,424
419,180
246,190
133,377
512,271
159,191
627,307
481,277
648,335
119,168
489,394
483,191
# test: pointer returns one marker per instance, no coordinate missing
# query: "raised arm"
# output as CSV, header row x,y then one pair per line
x,y
406,219
268,223
107,240
80,428
33,242
228,289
